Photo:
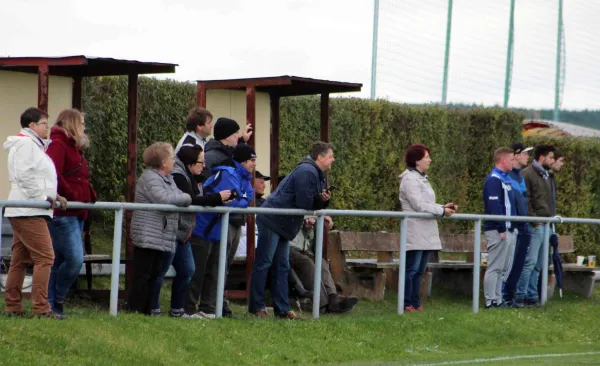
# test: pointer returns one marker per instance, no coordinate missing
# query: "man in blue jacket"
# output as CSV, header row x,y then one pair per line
x,y
521,228
207,233
498,199
304,188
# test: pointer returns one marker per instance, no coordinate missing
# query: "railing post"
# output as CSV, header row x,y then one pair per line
x,y
318,265
222,264
116,263
476,265
545,254
402,265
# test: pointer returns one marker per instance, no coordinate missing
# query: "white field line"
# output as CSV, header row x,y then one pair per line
x,y
510,358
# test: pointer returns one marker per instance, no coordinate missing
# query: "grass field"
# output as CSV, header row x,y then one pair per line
x,y
445,333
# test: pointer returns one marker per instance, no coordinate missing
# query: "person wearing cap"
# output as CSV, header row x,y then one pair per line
x,y
199,126
259,188
259,191
540,203
521,228
236,179
304,188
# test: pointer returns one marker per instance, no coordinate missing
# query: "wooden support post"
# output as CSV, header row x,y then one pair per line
x,y
131,170
250,222
43,81
201,95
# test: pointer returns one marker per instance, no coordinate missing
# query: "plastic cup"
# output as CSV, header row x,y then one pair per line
x,y
580,260
591,261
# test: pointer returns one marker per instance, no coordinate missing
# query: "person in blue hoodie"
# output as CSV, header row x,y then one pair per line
x,y
521,228
498,199
206,235
304,188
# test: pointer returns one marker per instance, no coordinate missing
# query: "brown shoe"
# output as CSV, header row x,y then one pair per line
x,y
261,314
289,315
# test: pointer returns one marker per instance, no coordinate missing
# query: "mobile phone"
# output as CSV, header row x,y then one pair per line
x,y
234,195
331,188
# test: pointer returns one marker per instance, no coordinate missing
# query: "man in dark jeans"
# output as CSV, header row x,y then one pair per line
x,y
304,188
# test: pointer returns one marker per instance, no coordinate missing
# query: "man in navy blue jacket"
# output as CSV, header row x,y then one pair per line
x,y
521,228
498,199
304,188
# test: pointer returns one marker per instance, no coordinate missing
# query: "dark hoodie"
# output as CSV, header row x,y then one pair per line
x,y
300,189
216,154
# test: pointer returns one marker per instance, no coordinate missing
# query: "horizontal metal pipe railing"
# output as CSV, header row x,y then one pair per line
x,y
120,207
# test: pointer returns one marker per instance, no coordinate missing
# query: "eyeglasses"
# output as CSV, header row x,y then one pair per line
x,y
200,162
41,123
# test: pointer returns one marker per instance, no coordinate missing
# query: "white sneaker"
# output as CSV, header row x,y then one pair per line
x,y
192,316
205,315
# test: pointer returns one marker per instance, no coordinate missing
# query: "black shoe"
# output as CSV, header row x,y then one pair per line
x,y
533,304
515,304
59,307
50,316
341,304
227,313
176,313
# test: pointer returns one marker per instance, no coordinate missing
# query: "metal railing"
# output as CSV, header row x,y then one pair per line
x,y
119,208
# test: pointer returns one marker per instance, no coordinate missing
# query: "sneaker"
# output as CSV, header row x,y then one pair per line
x,y
261,314
408,309
204,315
176,313
288,315
191,316
50,315
515,304
420,308
155,312
533,304
499,304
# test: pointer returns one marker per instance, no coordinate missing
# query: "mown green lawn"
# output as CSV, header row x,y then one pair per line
x,y
372,334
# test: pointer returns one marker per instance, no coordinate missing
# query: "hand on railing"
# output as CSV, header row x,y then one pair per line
x,y
58,202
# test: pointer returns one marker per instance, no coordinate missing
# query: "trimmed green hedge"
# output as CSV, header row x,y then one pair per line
x,y
370,139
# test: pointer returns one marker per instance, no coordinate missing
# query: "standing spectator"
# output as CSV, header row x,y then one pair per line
x,y
304,188
198,126
259,192
422,236
302,262
219,152
498,199
154,233
33,178
521,228
260,187
207,233
189,162
539,195
66,151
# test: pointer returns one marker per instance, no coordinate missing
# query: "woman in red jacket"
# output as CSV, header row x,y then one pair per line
x,y
66,151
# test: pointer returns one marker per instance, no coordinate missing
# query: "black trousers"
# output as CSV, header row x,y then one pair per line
x,y
147,267
203,286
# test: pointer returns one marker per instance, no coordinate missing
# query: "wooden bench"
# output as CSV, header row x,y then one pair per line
x,y
369,277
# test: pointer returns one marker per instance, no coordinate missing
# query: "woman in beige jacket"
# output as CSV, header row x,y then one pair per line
x,y
422,237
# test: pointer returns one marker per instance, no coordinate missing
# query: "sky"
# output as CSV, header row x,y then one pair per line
x,y
330,39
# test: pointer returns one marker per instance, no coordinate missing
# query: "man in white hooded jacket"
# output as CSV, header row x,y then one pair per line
x,y
32,176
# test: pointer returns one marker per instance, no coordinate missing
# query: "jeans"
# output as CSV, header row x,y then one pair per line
x,y
416,264
520,255
527,288
183,262
68,256
272,251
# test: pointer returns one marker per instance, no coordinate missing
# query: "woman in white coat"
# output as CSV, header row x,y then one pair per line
x,y
422,237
